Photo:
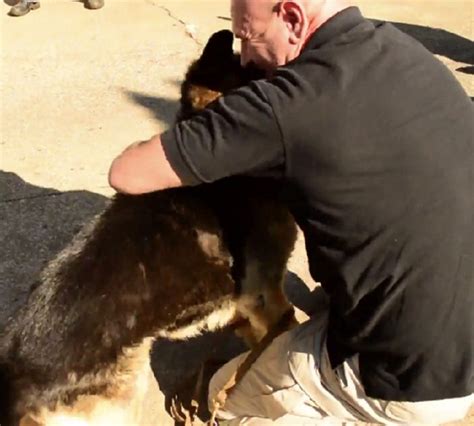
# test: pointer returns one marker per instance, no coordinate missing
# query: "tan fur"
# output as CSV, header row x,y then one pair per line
x,y
218,318
129,383
202,96
210,244
261,317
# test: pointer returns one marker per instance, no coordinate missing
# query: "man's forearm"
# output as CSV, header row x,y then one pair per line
x,y
141,168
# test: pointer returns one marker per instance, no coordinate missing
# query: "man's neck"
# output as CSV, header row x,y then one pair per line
x,y
328,9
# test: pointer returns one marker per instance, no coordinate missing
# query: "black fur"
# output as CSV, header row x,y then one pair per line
x,y
143,259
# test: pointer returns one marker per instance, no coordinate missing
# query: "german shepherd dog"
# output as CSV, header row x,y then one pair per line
x,y
169,264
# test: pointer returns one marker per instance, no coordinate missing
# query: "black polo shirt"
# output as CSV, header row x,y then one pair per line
x,y
375,137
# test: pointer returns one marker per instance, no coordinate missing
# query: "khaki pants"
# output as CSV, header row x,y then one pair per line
x,y
292,383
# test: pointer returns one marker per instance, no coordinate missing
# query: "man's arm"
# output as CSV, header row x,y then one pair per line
x,y
238,134
143,167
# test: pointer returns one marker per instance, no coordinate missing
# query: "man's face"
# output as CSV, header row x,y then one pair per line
x,y
263,33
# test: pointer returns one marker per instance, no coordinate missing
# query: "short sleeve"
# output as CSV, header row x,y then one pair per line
x,y
236,135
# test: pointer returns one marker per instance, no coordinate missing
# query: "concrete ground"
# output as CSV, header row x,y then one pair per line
x,y
77,86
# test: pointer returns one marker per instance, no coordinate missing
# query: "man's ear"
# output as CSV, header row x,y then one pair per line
x,y
295,19
219,47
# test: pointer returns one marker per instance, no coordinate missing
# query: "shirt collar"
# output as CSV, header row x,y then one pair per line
x,y
340,23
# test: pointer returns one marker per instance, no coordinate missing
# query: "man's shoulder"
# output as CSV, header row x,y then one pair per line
x,y
369,55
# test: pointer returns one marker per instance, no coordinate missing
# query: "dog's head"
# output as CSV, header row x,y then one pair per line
x,y
216,72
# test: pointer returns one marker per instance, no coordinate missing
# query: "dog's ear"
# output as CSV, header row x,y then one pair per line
x,y
218,48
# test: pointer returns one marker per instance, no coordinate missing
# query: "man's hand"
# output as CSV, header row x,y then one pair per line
x,y
142,167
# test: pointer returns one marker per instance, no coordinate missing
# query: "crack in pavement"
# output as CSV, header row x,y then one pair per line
x,y
44,195
31,197
188,27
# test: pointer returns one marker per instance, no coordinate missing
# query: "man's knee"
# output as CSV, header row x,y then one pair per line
x,y
221,378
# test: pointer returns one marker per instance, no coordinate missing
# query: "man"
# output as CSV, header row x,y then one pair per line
x,y
375,136
22,7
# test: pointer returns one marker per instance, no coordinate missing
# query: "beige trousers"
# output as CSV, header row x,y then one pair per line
x,y
292,383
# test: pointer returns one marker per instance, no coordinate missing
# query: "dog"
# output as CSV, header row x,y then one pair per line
x,y
169,264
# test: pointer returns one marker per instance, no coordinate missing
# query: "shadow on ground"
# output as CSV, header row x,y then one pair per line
x,y
441,42
163,109
36,224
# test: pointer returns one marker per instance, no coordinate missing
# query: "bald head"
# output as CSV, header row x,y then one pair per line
x,y
273,32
